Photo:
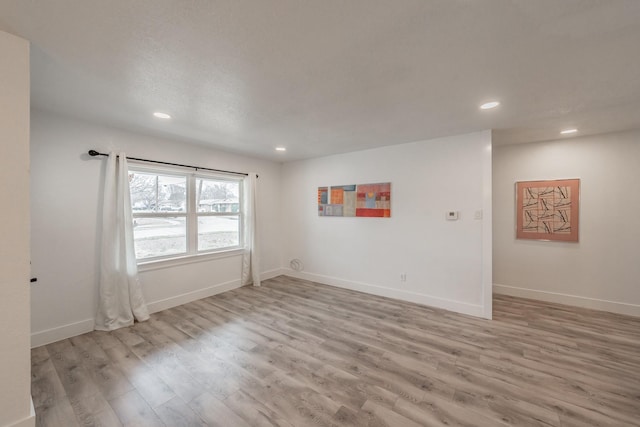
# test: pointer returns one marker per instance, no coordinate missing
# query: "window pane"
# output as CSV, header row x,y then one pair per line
x,y
157,193
215,232
160,236
217,196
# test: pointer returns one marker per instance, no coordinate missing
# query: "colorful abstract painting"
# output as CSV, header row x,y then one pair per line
x,y
548,210
364,200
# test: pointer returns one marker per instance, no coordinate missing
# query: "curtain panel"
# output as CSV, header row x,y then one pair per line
x,y
251,255
120,295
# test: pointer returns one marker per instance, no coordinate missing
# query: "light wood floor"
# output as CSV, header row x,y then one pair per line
x,y
294,353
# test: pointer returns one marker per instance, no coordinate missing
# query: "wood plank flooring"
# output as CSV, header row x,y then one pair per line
x,y
295,353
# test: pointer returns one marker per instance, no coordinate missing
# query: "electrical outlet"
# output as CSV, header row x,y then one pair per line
x,y
403,277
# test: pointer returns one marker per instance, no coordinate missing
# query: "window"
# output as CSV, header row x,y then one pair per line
x,y
178,214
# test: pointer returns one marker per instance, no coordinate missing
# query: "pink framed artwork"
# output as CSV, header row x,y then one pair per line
x,y
548,210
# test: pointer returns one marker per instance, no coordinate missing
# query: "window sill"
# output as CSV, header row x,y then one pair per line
x,y
187,259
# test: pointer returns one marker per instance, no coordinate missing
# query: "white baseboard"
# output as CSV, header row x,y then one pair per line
x,y
29,421
78,328
61,332
188,297
575,300
271,274
457,306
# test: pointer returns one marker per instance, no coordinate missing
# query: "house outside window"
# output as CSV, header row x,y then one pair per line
x,y
179,214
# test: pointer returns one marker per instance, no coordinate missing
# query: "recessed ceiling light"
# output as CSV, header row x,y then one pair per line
x,y
489,105
568,131
161,115
281,149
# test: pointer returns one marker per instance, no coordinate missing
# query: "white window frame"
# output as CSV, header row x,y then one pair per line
x,y
194,211
191,216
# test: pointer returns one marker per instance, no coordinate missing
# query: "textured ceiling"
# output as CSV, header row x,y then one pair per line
x,y
331,76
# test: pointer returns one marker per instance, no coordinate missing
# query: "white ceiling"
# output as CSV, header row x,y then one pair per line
x,y
331,76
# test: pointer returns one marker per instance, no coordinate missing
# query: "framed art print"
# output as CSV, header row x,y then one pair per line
x,y
362,200
548,210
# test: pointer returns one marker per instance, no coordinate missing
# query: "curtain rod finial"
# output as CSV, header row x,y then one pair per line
x,y
93,153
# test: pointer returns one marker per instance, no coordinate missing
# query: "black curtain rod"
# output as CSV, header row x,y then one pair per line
x,y
94,153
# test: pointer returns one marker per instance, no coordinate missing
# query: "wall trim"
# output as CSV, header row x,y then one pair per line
x,y
574,300
423,299
61,332
270,274
49,336
188,297
29,421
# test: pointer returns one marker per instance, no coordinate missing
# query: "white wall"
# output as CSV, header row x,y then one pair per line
x,y
66,192
15,366
447,263
601,271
